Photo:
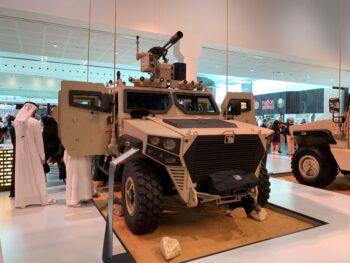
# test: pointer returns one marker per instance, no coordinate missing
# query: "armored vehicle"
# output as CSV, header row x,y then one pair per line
x,y
186,147
323,148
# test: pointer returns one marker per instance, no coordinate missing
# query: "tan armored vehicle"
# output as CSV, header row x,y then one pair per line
x,y
323,148
186,146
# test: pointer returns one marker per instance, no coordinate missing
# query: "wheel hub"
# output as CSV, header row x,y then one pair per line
x,y
309,167
130,199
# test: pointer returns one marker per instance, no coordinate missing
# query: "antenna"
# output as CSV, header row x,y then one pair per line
x,y
88,51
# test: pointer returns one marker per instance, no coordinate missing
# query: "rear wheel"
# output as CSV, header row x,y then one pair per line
x,y
142,197
314,166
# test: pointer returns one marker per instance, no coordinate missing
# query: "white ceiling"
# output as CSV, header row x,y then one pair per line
x,y
62,43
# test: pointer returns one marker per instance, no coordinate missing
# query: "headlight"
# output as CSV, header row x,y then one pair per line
x,y
154,140
169,144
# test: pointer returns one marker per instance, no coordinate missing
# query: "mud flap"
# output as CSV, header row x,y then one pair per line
x,y
107,254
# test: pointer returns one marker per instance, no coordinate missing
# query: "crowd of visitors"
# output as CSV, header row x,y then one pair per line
x,y
34,142
282,138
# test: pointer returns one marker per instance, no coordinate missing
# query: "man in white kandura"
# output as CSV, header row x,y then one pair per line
x,y
79,178
30,186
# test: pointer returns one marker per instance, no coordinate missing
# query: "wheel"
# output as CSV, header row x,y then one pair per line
x,y
263,186
142,197
314,166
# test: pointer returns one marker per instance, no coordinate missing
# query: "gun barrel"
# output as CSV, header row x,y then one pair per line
x,y
176,37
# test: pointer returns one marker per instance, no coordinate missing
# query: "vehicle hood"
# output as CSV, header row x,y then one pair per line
x,y
177,128
317,125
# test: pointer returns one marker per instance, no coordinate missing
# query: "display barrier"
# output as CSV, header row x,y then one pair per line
x,y
6,157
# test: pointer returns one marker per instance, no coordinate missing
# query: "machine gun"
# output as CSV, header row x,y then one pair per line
x,y
159,52
163,74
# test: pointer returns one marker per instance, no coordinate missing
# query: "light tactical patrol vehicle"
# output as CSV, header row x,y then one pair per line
x,y
323,148
186,146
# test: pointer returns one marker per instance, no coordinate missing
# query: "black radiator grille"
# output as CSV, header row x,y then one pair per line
x,y
209,154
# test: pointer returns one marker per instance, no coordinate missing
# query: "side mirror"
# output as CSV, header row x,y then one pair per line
x,y
235,107
334,105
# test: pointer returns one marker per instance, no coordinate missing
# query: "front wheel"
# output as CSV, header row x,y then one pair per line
x,y
263,186
142,197
314,166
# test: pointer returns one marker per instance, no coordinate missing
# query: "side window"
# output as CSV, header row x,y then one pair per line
x,y
91,100
195,103
245,104
155,102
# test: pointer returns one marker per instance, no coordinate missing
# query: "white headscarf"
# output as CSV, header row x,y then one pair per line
x,y
24,114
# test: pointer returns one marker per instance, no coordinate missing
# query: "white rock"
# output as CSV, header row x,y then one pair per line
x,y
118,210
230,213
259,216
169,248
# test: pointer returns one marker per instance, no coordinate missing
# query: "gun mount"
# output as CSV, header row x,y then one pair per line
x,y
163,75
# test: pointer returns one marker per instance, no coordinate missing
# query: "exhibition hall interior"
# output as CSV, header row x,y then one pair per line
x,y
174,131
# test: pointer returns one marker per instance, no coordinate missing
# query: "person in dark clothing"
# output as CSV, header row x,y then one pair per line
x,y
276,137
12,133
52,146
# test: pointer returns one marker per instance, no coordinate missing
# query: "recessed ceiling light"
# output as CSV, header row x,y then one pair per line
x,y
216,66
278,73
252,70
55,45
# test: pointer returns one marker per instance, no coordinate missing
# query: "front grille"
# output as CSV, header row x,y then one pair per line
x,y
209,154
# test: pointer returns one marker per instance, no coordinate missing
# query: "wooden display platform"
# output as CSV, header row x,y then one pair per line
x,y
205,230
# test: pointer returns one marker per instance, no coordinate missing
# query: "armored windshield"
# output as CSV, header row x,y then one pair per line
x,y
155,102
201,104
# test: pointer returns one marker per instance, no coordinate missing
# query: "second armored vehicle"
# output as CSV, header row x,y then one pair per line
x,y
323,148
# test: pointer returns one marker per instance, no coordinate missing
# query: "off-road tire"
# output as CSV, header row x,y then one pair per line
x,y
145,199
263,186
322,158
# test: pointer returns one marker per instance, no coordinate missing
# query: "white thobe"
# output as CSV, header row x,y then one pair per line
x,y
30,185
79,178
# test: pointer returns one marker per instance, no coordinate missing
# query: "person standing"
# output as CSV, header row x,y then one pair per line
x,y
276,137
290,139
3,131
282,133
79,178
11,131
30,186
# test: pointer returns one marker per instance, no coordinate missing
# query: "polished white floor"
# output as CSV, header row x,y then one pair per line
x,y
278,163
54,233
57,233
